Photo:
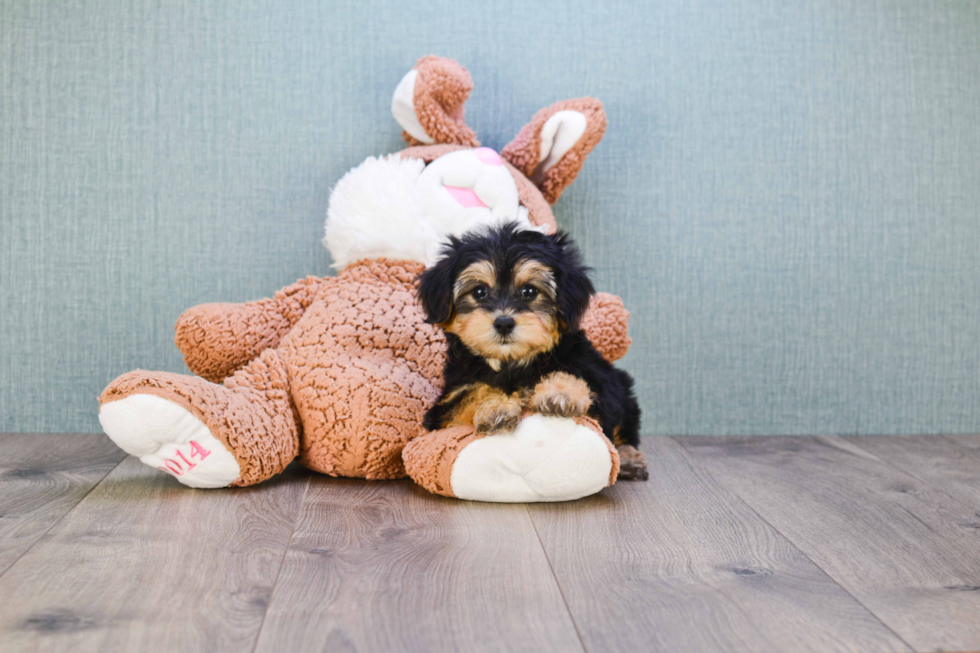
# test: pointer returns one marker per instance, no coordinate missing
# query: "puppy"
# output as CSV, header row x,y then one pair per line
x,y
510,302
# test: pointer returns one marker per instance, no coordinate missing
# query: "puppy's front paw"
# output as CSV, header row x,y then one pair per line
x,y
561,395
632,464
497,417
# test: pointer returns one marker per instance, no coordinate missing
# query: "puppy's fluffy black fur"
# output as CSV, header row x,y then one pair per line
x,y
558,304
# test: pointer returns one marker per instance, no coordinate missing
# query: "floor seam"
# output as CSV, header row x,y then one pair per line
x,y
551,567
907,472
282,562
786,537
62,518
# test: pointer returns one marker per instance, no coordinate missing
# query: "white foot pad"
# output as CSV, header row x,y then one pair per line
x,y
543,459
164,435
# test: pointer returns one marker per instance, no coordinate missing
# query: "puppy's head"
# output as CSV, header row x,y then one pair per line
x,y
507,293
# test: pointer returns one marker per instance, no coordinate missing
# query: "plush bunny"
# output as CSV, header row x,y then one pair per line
x,y
339,371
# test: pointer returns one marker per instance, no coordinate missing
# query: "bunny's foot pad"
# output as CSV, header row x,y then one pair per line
x,y
166,436
543,459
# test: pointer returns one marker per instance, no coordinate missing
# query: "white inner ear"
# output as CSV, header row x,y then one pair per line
x,y
560,134
403,108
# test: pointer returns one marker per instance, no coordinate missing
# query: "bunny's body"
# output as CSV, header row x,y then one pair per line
x,y
339,371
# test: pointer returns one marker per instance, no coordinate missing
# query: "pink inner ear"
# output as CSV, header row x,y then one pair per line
x,y
465,196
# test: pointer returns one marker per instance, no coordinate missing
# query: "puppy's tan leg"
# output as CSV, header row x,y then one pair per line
x,y
632,464
497,412
488,409
561,395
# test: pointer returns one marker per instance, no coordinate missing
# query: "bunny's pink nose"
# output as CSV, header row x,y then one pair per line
x,y
488,156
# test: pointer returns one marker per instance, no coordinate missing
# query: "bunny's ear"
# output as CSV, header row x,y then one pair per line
x,y
428,103
551,149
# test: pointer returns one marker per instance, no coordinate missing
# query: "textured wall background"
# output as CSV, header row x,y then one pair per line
x,y
788,196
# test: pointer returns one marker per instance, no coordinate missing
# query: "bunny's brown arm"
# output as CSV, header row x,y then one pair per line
x,y
605,323
217,339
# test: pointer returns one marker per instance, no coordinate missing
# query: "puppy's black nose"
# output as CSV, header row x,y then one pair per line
x,y
504,324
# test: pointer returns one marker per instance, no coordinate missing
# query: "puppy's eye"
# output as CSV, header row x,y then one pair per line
x,y
480,292
528,293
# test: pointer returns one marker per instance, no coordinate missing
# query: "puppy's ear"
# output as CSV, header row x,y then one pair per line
x,y
435,289
574,286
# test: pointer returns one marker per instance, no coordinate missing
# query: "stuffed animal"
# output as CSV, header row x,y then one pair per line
x,y
339,371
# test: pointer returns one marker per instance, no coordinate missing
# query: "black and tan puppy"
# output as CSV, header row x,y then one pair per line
x,y
510,302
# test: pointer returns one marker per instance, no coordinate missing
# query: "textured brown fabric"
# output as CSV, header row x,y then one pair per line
x,y
364,368
430,153
539,211
429,459
441,89
217,339
525,150
251,414
606,324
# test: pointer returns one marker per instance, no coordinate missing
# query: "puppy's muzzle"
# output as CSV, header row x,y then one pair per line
x,y
504,325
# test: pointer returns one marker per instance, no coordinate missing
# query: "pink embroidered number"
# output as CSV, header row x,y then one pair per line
x,y
173,466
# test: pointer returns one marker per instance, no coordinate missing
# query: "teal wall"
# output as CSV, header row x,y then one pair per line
x,y
788,196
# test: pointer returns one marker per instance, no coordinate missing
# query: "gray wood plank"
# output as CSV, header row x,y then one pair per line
x,y
680,564
967,441
42,477
143,563
902,548
947,463
389,567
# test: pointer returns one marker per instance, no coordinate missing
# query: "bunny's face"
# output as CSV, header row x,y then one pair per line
x,y
405,206
467,188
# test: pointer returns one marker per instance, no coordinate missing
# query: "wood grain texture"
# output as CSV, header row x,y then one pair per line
x,y
42,477
680,564
747,544
951,464
902,548
389,567
143,563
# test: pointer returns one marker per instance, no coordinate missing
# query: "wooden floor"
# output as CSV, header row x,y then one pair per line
x,y
735,544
